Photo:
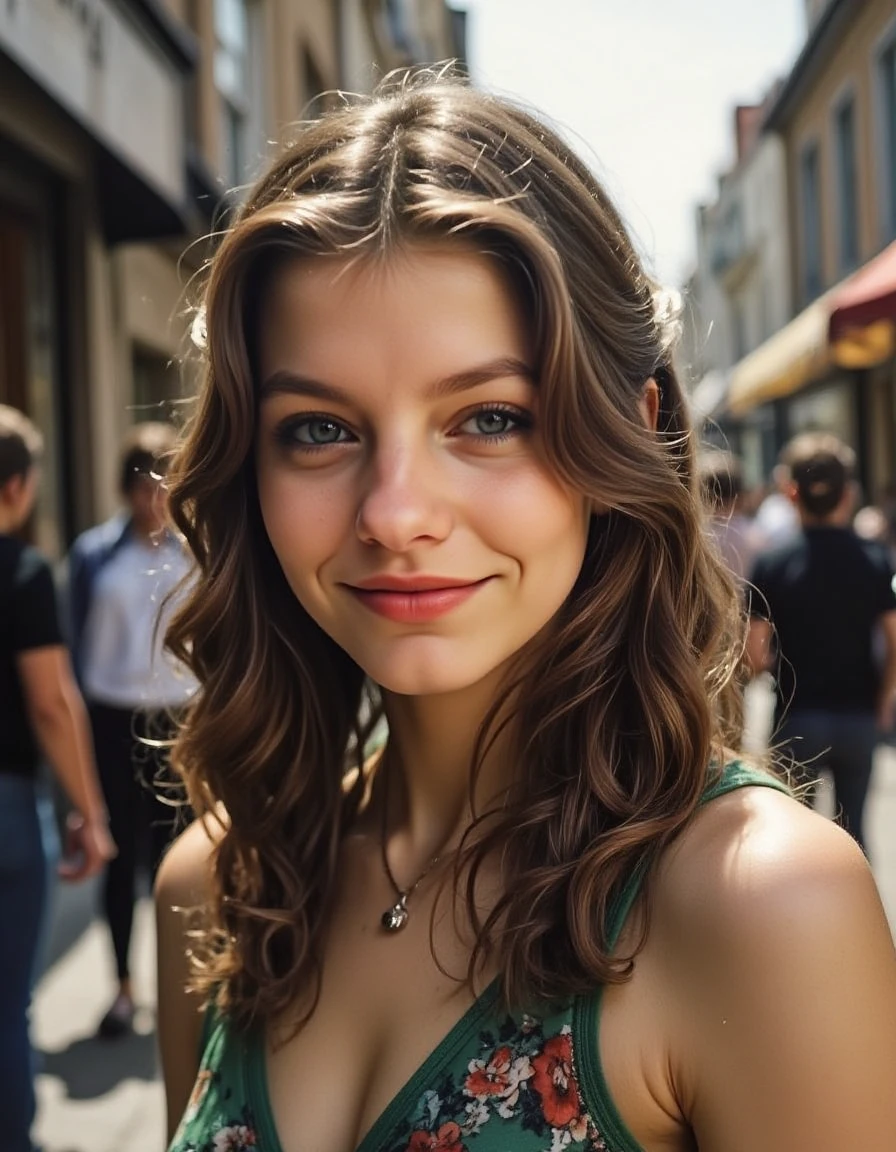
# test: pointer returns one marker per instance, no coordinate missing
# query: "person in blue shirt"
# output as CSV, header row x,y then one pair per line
x,y
122,574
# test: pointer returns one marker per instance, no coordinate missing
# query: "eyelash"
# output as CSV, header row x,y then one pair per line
x,y
285,433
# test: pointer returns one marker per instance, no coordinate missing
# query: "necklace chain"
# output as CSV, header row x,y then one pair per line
x,y
396,916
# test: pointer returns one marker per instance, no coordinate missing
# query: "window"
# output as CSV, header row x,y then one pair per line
x,y
847,196
232,82
887,105
741,339
314,84
397,23
810,205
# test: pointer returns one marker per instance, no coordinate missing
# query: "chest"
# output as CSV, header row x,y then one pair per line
x,y
387,1003
399,1055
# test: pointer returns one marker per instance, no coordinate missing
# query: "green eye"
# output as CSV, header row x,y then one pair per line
x,y
312,432
319,431
493,423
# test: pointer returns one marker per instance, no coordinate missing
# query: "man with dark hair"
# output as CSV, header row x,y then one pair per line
x,y
816,604
121,576
41,713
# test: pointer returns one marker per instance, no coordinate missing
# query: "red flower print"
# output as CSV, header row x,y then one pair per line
x,y
490,1079
498,1079
447,1139
555,1083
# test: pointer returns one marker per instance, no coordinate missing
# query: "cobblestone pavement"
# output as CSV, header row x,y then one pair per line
x,y
106,1097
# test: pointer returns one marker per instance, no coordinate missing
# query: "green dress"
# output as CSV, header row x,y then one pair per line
x,y
498,1081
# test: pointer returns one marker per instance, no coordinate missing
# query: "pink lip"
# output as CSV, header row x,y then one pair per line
x,y
413,599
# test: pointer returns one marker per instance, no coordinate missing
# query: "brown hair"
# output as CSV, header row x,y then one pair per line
x,y
635,692
21,444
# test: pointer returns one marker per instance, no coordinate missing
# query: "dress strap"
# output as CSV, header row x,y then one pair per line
x,y
735,774
586,1010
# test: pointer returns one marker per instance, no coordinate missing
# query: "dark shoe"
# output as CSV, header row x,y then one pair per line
x,y
119,1020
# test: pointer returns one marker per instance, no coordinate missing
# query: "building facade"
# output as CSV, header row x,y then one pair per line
x,y
740,293
92,160
127,129
836,119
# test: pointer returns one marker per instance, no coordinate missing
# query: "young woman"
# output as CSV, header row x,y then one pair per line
x,y
440,470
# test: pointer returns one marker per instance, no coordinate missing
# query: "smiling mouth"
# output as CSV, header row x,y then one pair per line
x,y
415,603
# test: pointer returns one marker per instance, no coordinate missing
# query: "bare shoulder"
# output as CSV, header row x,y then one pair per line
x,y
182,885
772,944
757,856
183,876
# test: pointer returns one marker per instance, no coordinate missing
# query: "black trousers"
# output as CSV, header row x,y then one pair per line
x,y
136,783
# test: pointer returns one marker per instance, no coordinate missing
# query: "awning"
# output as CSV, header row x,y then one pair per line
x,y
863,314
795,355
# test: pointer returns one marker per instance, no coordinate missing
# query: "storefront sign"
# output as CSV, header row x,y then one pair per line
x,y
91,57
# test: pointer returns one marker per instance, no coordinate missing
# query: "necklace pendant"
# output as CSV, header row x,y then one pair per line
x,y
395,918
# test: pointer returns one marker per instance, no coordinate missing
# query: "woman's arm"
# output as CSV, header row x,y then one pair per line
x,y
785,966
181,885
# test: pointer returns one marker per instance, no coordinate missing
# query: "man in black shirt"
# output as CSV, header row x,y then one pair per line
x,y
41,712
817,605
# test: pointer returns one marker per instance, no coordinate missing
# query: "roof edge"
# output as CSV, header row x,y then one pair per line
x,y
820,44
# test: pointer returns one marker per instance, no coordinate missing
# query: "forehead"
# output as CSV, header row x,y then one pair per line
x,y
439,301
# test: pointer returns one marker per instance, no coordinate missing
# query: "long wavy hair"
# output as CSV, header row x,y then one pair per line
x,y
636,696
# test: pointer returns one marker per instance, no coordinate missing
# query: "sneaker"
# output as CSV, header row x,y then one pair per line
x,y
119,1020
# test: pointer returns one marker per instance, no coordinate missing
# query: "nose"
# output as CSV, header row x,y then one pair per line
x,y
405,502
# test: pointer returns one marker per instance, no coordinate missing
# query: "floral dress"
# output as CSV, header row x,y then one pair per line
x,y
498,1081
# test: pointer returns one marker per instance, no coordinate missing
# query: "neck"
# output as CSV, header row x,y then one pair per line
x,y
147,530
432,742
833,521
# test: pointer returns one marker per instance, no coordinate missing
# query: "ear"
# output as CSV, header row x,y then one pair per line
x,y
649,404
10,491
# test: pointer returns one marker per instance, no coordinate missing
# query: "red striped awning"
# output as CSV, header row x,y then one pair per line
x,y
862,326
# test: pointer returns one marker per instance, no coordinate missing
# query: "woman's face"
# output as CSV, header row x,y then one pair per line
x,y
401,473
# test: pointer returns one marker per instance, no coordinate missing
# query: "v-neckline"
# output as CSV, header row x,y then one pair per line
x,y
401,1102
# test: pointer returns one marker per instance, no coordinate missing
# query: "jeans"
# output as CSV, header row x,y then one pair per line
x,y
842,742
23,886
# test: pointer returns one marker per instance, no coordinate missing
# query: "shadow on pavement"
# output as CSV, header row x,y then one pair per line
x,y
90,1068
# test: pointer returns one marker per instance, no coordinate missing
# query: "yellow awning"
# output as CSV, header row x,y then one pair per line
x,y
795,355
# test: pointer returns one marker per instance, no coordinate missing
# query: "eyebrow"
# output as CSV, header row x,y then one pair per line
x,y
292,383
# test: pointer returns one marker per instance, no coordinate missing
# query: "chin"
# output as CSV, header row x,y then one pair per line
x,y
422,682
426,673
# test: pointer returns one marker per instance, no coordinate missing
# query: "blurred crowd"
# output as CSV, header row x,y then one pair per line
x,y
747,521
816,563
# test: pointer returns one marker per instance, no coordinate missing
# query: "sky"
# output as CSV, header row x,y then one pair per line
x,y
646,91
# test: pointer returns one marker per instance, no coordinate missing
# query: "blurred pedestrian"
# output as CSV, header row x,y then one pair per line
x,y
41,713
734,532
442,469
777,520
817,605
122,574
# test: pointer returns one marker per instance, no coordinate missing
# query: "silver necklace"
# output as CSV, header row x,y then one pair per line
x,y
396,916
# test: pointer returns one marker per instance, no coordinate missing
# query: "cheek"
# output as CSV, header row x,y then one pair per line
x,y
536,519
304,522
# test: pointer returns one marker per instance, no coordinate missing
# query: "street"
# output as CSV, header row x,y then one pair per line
x,y
106,1097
